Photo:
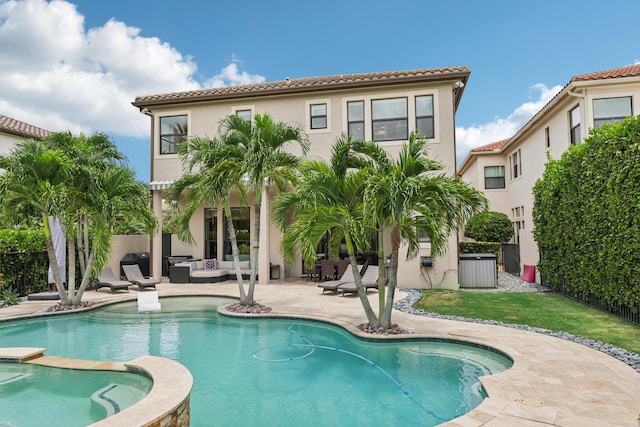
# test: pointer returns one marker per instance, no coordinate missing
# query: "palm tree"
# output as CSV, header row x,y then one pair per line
x,y
266,163
401,198
80,181
36,179
328,200
408,195
245,159
214,171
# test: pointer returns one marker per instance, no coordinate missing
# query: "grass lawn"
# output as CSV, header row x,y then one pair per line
x,y
543,310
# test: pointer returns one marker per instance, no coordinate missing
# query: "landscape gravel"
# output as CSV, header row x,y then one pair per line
x,y
510,283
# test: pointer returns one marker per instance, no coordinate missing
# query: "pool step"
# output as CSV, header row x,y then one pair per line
x,y
12,380
11,377
112,399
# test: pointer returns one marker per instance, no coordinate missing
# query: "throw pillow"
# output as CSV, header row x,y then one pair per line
x,y
209,264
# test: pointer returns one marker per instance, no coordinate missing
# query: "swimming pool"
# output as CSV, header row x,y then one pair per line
x,y
65,397
272,372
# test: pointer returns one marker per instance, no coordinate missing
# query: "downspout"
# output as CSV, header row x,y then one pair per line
x,y
152,260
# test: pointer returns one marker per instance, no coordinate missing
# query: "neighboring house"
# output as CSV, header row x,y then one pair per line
x,y
12,131
507,170
380,106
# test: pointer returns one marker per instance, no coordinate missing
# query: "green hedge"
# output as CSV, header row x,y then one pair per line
x,y
481,248
489,226
23,261
587,216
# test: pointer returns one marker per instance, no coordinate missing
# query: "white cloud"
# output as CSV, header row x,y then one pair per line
x,y
59,76
501,128
230,76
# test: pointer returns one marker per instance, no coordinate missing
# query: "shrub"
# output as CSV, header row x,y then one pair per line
x,y
480,248
23,261
587,216
489,226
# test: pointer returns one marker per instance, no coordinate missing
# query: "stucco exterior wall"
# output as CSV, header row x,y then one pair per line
x,y
532,143
203,120
121,245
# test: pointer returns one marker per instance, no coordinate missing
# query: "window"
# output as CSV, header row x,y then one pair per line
x,y
318,116
493,177
423,237
210,233
574,125
355,119
242,224
515,162
610,110
389,119
244,114
173,131
424,116
547,138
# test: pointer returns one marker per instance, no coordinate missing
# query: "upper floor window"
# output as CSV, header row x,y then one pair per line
x,y
574,125
493,177
424,116
609,110
318,116
355,119
173,131
515,161
389,119
547,138
244,114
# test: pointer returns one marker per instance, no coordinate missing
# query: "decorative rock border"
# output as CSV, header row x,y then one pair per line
x,y
414,295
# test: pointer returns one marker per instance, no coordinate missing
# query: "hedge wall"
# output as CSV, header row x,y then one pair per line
x,y
587,216
23,261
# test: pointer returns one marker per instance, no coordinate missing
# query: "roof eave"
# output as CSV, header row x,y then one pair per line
x,y
286,90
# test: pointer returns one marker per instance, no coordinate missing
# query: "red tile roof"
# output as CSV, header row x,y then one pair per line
x,y
18,128
628,71
494,146
308,84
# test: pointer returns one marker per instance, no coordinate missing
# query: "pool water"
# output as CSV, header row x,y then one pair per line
x,y
32,395
275,372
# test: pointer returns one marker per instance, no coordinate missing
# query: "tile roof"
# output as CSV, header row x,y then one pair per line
x,y
628,71
494,146
18,128
308,84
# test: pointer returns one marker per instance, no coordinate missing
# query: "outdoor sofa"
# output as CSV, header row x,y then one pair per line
x,y
213,271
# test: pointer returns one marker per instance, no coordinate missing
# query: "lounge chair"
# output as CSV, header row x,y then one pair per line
x,y
332,285
108,280
133,274
369,281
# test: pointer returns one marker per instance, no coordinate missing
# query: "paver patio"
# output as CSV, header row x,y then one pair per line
x,y
552,382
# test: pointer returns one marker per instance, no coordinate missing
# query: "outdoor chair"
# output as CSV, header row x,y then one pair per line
x,y
332,285
369,281
133,274
108,280
327,270
341,266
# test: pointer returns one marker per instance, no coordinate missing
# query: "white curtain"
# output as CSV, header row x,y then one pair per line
x,y
60,246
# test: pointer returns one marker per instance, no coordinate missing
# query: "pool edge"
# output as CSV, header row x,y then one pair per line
x,y
167,403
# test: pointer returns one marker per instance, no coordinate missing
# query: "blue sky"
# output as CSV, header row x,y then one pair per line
x,y
77,65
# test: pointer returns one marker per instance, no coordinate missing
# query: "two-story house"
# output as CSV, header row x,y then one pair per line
x,y
381,106
507,170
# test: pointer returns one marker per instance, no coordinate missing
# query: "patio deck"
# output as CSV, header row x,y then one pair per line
x,y
552,382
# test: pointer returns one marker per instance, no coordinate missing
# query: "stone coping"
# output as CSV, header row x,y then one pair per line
x,y
171,389
552,381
